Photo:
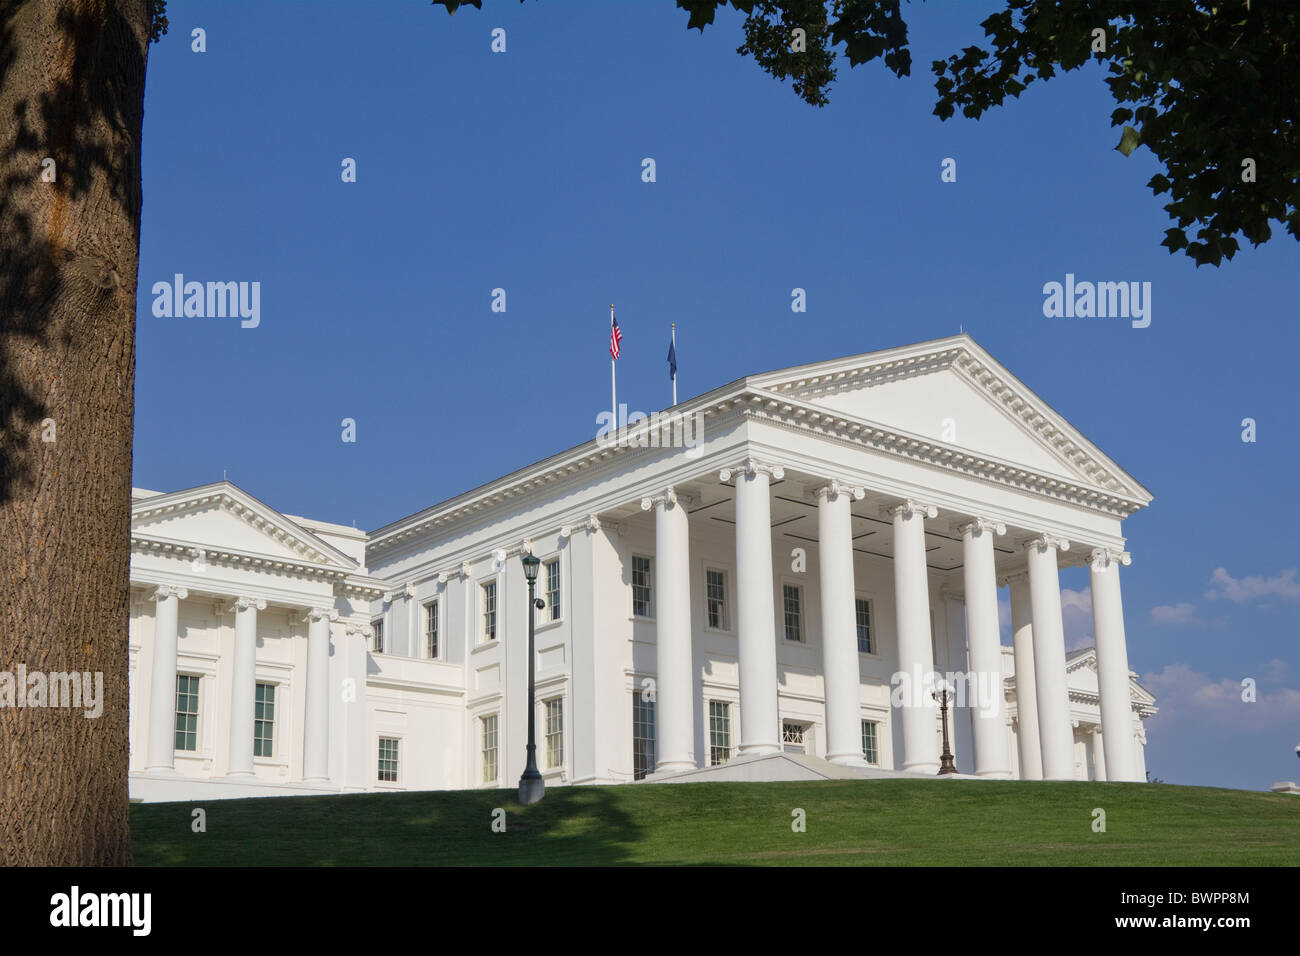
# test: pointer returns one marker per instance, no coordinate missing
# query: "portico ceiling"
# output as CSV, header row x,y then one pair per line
x,y
794,522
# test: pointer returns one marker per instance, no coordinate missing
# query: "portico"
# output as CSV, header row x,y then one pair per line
x,y
775,512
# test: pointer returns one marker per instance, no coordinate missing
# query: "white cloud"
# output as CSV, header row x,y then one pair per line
x,y
1076,615
1183,613
1224,585
1184,694
1076,600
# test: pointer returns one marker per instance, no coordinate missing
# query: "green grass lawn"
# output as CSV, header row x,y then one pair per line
x,y
876,822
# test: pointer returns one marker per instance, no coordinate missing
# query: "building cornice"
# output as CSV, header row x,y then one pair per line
x,y
850,430
343,581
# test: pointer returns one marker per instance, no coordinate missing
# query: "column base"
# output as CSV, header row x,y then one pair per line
x,y
161,768
315,779
674,766
931,767
847,760
240,773
994,774
758,750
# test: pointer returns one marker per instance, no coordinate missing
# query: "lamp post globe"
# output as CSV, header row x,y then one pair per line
x,y
531,786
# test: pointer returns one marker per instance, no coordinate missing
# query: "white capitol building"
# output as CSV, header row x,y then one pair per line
x,y
737,610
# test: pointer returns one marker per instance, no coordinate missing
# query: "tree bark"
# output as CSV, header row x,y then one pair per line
x,y
72,78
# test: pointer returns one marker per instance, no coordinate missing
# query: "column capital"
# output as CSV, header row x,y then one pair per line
x,y
834,488
1044,541
164,591
442,576
408,589
244,603
1100,559
978,526
951,593
751,467
668,498
355,629
909,507
321,614
1014,577
526,546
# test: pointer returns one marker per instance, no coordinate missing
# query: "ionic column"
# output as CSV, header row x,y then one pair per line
x,y
1112,664
755,609
162,692
316,746
984,648
674,679
243,696
356,767
915,659
1028,748
841,678
1054,732
1098,755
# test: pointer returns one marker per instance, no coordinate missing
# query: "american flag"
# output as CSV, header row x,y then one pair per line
x,y
615,337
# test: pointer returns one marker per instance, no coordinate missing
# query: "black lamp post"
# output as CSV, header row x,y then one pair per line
x,y
531,786
946,763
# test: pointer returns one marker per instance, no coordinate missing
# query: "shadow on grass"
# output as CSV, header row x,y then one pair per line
x,y
571,826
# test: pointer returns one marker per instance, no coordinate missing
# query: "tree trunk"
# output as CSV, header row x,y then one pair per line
x,y
71,90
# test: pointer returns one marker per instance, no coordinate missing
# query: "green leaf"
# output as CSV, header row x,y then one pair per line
x,y
1129,141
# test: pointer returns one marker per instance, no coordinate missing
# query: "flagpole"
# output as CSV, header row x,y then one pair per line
x,y
613,385
674,370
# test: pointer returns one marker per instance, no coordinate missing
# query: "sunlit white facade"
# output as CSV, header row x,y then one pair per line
x,y
744,604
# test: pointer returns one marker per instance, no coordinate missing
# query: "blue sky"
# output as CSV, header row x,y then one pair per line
x,y
522,171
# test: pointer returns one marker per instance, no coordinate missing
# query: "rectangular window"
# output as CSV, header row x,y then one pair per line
x,y
793,612
792,736
377,636
719,732
864,626
264,721
388,759
489,611
869,749
431,629
715,587
553,588
490,748
642,575
187,712
643,736
555,733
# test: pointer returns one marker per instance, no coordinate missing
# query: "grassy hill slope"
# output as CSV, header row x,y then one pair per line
x,y
850,822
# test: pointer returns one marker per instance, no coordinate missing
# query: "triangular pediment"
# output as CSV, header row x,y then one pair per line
x,y
225,517
952,393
